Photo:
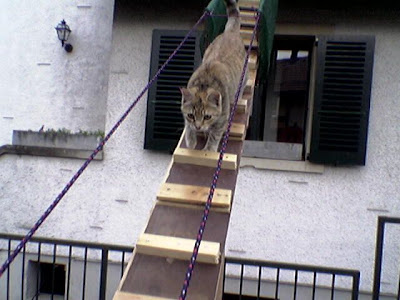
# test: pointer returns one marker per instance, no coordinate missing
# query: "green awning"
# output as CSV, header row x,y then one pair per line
x,y
213,25
269,10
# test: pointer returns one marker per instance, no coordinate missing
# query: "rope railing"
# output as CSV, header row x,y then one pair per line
x,y
53,205
207,208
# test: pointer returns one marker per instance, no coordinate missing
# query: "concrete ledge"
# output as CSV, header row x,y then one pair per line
x,y
281,165
53,144
48,151
55,139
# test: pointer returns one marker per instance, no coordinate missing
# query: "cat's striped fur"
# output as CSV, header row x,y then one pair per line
x,y
211,89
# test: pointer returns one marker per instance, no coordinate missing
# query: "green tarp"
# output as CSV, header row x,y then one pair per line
x,y
215,25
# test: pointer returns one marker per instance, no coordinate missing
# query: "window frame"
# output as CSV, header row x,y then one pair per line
x,y
249,158
343,103
164,142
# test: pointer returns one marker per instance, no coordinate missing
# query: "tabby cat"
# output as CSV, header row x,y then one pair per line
x,y
211,89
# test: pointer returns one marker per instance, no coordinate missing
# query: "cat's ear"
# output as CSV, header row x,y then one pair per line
x,y
186,95
214,97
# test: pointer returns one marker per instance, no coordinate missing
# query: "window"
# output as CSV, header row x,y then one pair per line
x,y
294,121
282,112
46,278
164,121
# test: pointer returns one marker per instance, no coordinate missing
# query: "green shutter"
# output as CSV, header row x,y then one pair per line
x,y
269,11
164,121
213,26
342,100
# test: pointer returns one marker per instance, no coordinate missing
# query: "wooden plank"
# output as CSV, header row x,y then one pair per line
x,y
158,276
232,147
219,293
247,43
224,210
237,130
240,109
252,75
204,158
247,15
248,22
249,87
246,4
242,106
237,138
177,248
246,33
249,2
253,62
184,223
201,175
129,296
242,118
121,283
248,97
192,194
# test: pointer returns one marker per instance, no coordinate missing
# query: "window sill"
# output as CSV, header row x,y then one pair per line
x,y
273,150
52,145
281,165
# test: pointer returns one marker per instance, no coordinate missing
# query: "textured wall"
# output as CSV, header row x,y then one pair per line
x,y
328,219
42,84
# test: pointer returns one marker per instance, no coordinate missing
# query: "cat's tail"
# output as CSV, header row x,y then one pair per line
x,y
232,10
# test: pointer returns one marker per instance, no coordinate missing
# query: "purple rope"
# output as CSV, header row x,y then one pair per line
x,y
21,245
206,212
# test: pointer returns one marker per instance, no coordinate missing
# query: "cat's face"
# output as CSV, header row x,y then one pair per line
x,y
200,109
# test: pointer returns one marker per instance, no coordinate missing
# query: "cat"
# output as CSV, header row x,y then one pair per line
x,y
211,89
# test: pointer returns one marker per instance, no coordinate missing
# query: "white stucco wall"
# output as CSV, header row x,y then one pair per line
x,y
331,219
327,219
41,84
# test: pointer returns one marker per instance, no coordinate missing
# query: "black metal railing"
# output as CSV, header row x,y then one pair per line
x,y
252,279
61,268
93,271
380,238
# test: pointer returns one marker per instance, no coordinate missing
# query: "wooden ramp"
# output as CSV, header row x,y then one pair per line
x,y
157,268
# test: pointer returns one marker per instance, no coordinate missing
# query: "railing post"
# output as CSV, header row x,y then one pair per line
x,y
356,286
378,258
103,274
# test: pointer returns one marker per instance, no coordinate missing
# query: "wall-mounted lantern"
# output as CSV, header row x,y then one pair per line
x,y
63,33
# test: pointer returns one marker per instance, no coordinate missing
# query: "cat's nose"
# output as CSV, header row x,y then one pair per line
x,y
198,127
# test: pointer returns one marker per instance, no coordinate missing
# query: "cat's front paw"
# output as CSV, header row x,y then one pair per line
x,y
190,138
191,142
210,148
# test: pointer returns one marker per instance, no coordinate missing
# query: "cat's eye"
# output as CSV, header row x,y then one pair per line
x,y
190,116
207,117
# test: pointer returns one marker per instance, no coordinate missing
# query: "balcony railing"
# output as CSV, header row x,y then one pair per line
x,y
383,222
254,279
62,269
